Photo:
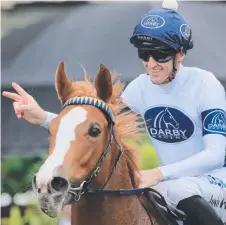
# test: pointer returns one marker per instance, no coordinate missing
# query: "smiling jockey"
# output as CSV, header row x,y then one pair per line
x,y
184,109
184,112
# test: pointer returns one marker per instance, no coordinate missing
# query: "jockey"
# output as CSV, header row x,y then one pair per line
x,y
184,109
185,114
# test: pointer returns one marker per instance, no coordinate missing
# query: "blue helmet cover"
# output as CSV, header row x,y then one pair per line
x,y
164,26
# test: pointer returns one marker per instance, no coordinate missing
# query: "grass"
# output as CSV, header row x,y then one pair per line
x,y
32,217
148,158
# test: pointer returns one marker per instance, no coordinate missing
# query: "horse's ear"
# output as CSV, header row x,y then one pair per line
x,y
103,83
62,83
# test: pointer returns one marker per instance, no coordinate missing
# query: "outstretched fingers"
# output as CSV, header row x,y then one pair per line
x,y
19,89
20,95
12,96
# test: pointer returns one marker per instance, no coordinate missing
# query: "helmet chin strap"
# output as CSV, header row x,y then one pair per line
x,y
173,73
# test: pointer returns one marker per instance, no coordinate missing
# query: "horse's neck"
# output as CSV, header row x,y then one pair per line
x,y
111,210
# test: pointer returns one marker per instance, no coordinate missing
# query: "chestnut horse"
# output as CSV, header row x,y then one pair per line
x,y
88,151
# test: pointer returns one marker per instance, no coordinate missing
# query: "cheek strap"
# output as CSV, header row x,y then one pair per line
x,y
173,73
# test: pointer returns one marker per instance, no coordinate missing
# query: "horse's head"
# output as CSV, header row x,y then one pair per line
x,y
86,139
80,139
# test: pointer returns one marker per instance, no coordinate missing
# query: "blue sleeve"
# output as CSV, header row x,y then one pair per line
x,y
212,110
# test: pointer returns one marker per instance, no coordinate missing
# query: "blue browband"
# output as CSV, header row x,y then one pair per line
x,y
91,101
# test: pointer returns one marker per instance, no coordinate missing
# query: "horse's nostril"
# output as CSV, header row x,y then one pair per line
x,y
59,184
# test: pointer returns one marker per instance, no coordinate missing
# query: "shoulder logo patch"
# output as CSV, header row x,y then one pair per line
x,y
214,121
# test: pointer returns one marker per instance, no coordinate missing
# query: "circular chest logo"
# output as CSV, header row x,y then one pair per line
x,y
152,21
168,124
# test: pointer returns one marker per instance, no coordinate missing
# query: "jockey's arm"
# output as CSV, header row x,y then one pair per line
x,y
211,98
212,157
211,102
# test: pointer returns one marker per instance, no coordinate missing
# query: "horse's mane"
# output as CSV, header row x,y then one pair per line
x,y
127,123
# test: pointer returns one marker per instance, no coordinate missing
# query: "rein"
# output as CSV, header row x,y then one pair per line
x,y
151,194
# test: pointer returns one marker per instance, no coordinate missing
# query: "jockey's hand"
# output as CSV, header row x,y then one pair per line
x,y
150,178
25,105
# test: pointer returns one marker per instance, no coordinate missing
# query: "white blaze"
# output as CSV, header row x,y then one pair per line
x,y
65,134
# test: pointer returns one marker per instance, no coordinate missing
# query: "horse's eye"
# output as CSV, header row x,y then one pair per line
x,y
94,131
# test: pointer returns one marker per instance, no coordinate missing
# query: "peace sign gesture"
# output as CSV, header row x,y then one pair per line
x,y
25,105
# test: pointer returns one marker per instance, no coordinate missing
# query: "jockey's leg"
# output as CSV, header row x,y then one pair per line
x,y
199,211
211,187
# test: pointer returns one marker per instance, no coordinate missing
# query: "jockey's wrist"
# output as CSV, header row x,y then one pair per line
x,y
160,175
42,117
48,118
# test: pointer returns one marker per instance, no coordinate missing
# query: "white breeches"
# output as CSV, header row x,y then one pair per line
x,y
210,186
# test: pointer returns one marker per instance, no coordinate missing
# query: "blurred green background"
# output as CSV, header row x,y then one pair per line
x,y
17,174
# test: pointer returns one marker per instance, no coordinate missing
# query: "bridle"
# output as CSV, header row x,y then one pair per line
x,y
84,188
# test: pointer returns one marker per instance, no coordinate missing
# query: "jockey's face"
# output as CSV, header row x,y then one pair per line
x,y
159,72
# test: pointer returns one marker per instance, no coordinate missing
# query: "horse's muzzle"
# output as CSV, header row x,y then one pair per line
x,y
57,184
